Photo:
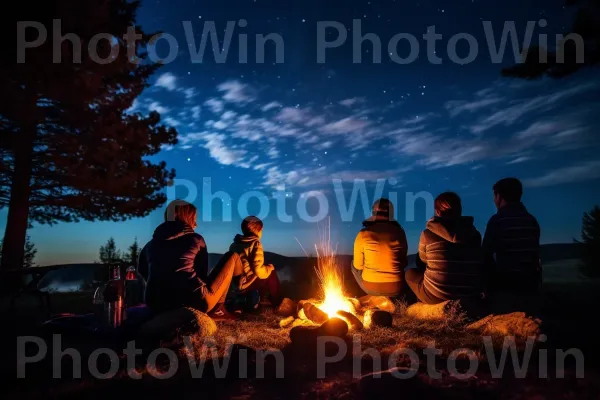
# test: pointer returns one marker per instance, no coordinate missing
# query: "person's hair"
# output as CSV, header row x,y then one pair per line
x,y
448,204
383,208
180,210
252,226
510,189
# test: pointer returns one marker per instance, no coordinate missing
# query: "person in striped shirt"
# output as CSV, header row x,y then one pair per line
x,y
511,243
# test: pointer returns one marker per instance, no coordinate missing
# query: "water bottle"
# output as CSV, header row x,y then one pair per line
x,y
135,288
114,298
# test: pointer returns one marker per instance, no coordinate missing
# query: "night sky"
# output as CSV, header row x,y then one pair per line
x,y
290,128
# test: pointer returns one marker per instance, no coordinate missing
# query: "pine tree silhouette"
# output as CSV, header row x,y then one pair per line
x,y
70,150
109,254
565,60
590,243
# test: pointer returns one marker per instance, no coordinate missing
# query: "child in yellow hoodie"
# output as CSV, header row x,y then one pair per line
x,y
256,275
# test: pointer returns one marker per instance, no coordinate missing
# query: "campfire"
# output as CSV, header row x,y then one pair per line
x,y
334,303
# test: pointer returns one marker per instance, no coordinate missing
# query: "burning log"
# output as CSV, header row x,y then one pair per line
x,y
380,302
353,323
314,313
377,318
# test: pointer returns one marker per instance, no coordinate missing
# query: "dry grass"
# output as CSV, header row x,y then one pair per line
x,y
262,332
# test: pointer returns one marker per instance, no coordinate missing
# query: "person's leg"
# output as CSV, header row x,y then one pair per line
x,y
414,279
219,279
268,288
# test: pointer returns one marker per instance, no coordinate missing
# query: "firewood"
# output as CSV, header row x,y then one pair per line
x,y
377,318
314,313
353,322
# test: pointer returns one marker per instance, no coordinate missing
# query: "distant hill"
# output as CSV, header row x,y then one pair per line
x,y
87,276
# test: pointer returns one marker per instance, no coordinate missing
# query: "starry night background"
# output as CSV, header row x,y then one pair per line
x,y
291,127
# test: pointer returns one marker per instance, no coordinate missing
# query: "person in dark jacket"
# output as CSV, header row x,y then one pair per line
x,y
380,250
175,265
511,243
449,263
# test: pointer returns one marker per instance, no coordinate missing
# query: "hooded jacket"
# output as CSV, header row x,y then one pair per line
x,y
252,256
380,250
175,264
450,249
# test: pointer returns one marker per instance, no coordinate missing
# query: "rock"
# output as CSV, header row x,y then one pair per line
x,y
381,318
353,322
314,313
286,321
374,318
333,327
380,302
184,320
516,324
287,308
431,311
308,335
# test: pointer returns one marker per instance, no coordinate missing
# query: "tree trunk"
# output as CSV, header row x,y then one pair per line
x,y
13,249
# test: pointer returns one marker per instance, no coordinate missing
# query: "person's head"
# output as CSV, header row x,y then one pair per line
x,y
383,209
252,226
448,204
180,210
507,190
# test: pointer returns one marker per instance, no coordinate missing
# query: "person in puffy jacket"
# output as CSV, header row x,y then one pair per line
x,y
175,265
380,252
449,264
256,275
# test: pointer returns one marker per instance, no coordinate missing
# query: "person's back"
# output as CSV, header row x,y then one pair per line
x,y
384,251
512,241
380,250
451,249
176,261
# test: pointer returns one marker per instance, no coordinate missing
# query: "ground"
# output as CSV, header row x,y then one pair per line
x,y
567,313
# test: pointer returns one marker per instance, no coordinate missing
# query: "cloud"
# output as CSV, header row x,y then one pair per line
x,y
189,93
346,125
167,81
457,107
220,124
215,105
271,105
510,114
196,112
273,153
312,193
215,144
293,114
156,106
135,106
172,122
519,160
575,173
236,92
352,101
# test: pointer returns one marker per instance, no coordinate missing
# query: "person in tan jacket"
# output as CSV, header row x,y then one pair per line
x,y
380,253
255,274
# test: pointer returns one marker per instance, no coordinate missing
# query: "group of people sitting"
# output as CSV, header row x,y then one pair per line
x,y
453,261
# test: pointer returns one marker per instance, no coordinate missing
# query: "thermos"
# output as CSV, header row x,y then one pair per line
x,y
114,298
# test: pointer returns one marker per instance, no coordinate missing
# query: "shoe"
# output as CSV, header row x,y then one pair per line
x,y
220,313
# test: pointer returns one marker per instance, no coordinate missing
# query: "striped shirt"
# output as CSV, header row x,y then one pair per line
x,y
511,243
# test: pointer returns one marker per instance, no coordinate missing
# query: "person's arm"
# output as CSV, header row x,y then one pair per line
x,y
421,260
143,268
261,270
359,255
201,260
488,245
